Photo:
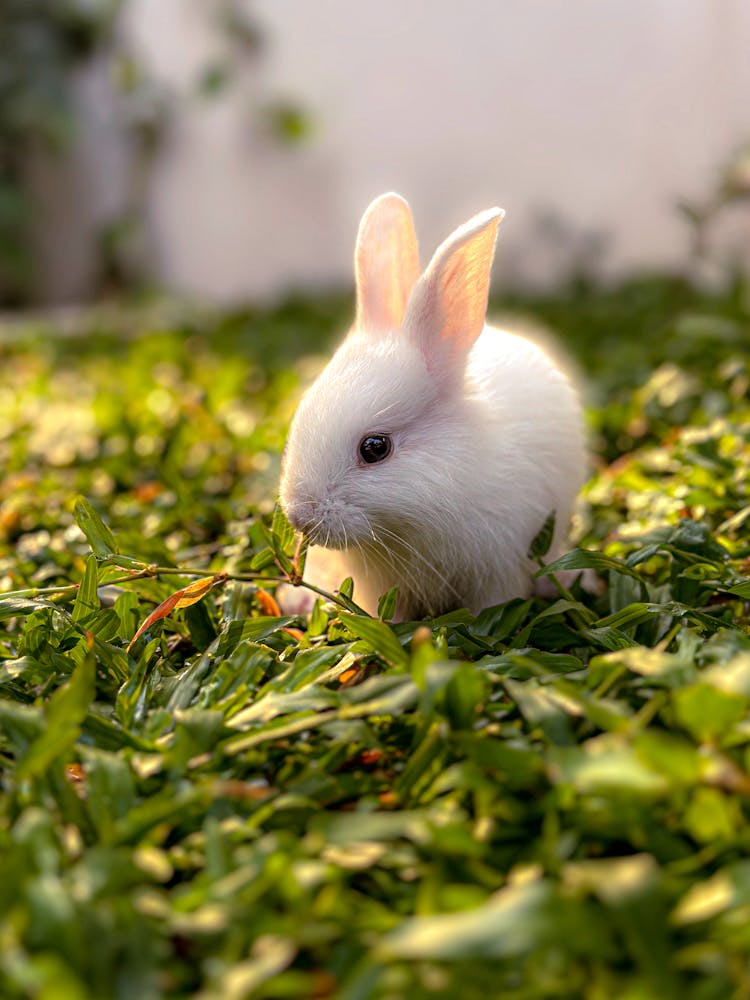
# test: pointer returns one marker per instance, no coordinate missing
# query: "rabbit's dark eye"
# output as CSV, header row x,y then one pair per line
x,y
374,448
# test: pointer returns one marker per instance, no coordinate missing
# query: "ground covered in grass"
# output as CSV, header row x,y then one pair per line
x,y
201,798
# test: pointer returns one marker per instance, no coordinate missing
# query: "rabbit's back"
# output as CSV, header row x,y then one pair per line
x,y
533,432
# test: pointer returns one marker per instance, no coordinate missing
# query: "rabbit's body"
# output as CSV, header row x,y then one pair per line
x,y
484,435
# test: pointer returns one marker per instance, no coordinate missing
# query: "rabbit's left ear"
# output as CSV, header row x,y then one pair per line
x,y
447,309
386,264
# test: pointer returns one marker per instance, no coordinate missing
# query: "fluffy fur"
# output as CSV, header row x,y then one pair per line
x,y
487,433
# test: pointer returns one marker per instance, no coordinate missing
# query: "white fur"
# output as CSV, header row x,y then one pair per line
x,y
487,441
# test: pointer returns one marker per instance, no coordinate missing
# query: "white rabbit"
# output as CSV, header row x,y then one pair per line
x,y
432,448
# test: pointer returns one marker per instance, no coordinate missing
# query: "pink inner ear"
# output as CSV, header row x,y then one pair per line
x,y
386,264
385,286
465,289
447,310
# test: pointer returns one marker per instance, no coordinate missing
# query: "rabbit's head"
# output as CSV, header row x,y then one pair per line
x,y
382,440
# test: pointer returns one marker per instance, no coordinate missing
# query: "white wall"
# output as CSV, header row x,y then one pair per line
x,y
600,113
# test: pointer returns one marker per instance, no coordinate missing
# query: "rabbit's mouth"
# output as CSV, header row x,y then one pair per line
x,y
334,533
326,522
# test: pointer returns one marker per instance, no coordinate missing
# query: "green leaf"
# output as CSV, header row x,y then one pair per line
x,y
64,716
21,725
520,766
426,761
588,559
544,707
111,788
254,629
130,703
510,923
606,637
126,609
387,604
200,625
663,668
522,663
707,712
87,600
196,731
695,537
629,616
542,541
672,755
712,816
318,622
282,539
11,607
606,765
98,535
726,889
379,637
464,695
262,560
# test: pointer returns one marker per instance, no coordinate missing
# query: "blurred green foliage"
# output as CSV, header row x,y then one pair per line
x,y
550,800
42,42
46,48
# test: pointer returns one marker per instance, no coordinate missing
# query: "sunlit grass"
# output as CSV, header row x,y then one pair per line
x,y
203,798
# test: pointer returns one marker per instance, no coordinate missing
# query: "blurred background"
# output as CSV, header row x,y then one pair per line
x,y
223,150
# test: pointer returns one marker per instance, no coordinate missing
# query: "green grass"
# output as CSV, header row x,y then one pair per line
x,y
550,800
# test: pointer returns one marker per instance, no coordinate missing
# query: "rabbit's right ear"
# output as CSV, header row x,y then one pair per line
x,y
386,264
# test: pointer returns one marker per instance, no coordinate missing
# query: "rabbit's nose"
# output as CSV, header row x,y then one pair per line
x,y
303,515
